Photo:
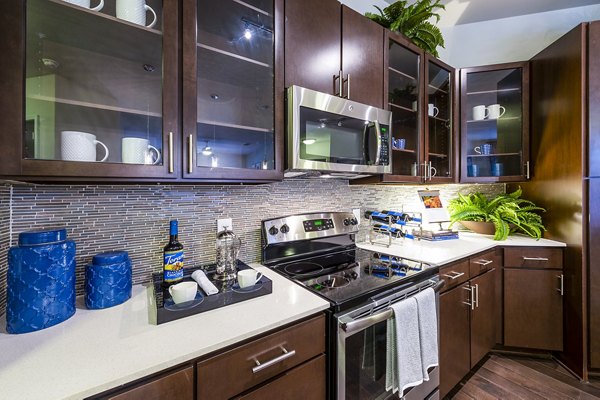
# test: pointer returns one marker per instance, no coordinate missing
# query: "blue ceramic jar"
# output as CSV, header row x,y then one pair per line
x,y
108,280
41,281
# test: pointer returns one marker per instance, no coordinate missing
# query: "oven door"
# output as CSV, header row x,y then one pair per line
x,y
329,133
361,352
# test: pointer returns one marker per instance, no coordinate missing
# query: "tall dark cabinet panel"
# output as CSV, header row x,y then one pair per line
x,y
559,130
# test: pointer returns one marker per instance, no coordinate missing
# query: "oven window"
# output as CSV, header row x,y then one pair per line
x,y
366,363
334,138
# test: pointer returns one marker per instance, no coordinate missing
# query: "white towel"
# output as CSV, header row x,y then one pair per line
x,y
206,285
409,367
428,329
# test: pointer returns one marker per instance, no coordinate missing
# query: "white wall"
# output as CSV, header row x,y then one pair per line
x,y
510,39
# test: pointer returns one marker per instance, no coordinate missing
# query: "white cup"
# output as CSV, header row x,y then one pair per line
x,y
135,11
248,277
86,4
80,146
184,291
432,110
480,113
138,151
495,111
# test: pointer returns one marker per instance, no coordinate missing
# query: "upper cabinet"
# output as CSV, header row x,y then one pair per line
x,y
495,123
347,62
230,93
95,90
421,96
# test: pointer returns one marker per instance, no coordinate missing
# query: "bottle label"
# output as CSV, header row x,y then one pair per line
x,y
173,266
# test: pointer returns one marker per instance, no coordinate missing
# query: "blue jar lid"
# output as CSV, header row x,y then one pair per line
x,y
110,257
42,237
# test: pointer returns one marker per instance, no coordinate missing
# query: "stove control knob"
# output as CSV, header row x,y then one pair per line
x,y
273,231
284,228
354,221
346,222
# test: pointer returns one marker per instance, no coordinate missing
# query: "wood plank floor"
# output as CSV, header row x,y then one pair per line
x,y
511,377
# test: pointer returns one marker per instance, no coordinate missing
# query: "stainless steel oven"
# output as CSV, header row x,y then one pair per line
x,y
361,347
334,135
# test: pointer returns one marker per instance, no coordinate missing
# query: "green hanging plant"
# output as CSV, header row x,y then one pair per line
x,y
413,22
508,212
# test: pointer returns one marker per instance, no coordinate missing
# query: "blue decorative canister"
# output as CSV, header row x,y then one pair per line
x,y
108,280
41,281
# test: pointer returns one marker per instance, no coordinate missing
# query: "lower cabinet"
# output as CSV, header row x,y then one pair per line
x,y
483,315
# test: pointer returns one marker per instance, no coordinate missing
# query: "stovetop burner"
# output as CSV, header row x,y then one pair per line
x,y
333,281
303,268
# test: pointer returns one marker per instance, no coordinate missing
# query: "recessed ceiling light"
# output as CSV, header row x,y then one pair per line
x,y
309,141
248,34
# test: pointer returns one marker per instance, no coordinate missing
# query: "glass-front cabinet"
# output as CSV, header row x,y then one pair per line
x,y
100,79
495,123
229,94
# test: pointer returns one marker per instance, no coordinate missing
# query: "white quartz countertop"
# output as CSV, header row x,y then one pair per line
x,y
96,350
446,251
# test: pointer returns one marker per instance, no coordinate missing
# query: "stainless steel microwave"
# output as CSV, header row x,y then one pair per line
x,y
335,137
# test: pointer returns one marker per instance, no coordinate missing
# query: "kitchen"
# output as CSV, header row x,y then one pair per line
x,y
103,215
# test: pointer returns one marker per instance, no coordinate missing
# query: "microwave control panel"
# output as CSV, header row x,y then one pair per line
x,y
384,155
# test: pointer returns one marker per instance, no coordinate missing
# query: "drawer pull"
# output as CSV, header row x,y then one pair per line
x,y
483,263
561,277
286,354
455,276
535,258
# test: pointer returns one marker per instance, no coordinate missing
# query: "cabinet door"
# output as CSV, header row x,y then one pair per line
x,y
362,58
495,123
304,382
454,337
100,92
177,385
231,99
313,44
594,270
483,316
533,309
439,124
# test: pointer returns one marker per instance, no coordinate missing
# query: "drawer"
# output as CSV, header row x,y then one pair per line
x,y
485,262
304,382
454,274
176,385
231,373
533,257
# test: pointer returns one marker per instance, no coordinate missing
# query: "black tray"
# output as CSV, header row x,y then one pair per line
x,y
229,293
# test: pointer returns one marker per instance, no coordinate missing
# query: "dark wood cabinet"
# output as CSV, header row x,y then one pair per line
x,y
455,360
494,126
483,316
176,385
533,297
332,49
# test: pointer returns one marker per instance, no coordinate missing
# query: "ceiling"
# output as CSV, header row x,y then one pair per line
x,y
459,12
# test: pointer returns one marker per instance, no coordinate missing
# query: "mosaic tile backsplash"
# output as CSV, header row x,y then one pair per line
x,y
136,218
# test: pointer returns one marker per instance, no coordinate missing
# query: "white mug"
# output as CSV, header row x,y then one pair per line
x,y
248,277
495,111
80,146
138,151
135,11
86,4
480,112
432,110
184,291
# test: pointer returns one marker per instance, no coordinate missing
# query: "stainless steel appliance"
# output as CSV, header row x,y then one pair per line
x,y
318,251
336,137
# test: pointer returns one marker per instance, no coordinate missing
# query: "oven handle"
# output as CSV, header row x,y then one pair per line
x,y
364,323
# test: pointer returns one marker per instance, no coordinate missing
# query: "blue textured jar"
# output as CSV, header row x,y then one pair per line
x,y
108,280
41,281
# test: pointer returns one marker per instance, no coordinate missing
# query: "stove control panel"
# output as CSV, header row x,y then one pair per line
x,y
308,226
314,225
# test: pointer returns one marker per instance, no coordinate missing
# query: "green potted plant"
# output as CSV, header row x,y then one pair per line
x,y
501,216
413,21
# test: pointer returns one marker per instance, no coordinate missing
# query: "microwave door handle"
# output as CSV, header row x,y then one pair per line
x,y
366,142
379,145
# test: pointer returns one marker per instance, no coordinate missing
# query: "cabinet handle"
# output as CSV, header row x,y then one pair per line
x,y
347,80
534,258
191,154
472,291
340,86
477,295
424,172
171,162
483,263
562,284
455,276
527,170
286,354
